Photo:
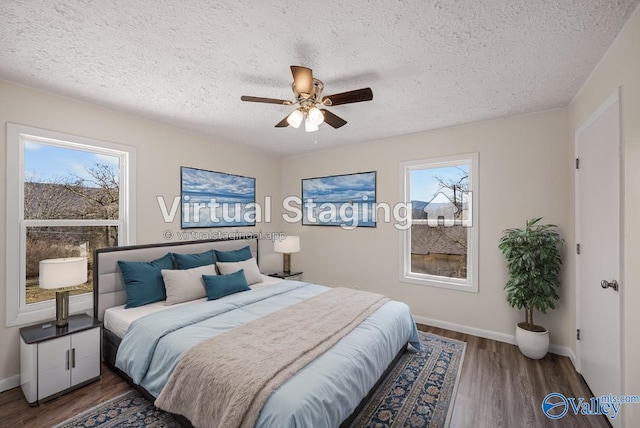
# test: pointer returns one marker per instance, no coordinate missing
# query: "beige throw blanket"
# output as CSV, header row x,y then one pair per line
x,y
224,381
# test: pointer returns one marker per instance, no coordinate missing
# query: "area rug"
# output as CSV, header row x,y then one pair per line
x,y
419,392
421,388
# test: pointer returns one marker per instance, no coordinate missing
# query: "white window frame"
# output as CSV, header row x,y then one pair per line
x,y
470,284
17,311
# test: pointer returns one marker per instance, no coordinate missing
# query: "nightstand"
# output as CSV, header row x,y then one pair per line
x,y
56,360
293,276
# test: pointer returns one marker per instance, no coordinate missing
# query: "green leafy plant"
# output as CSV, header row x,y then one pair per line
x,y
534,262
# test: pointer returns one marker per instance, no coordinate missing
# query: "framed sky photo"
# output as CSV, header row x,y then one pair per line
x,y
216,199
347,200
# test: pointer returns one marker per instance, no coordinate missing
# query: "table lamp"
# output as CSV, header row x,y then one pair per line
x,y
58,273
286,246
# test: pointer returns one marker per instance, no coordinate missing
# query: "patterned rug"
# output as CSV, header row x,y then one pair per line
x,y
419,392
421,388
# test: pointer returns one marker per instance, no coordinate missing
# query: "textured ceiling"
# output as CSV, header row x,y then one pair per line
x,y
430,63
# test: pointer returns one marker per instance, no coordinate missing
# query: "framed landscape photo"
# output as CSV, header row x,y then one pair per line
x,y
347,200
216,199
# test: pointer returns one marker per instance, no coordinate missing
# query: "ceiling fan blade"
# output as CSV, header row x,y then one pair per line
x,y
302,80
283,123
332,119
265,100
357,96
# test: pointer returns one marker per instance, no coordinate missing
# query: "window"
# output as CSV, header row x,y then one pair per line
x,y
441,246
66,196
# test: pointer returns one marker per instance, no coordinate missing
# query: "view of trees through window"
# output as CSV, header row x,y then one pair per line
x,y
71,199
438,237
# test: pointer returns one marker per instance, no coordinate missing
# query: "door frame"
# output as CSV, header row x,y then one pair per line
x,y
612,99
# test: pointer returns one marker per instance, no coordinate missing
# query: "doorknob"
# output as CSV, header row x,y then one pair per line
x,y
606,284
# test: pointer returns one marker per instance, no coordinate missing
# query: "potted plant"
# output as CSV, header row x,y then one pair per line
x,y
534,262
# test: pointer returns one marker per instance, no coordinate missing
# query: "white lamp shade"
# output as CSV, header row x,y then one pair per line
x,y
58,273
315,116
295,118
309,125
290,244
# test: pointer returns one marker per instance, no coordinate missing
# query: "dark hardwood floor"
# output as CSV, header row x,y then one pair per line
x,y
16,412
498,388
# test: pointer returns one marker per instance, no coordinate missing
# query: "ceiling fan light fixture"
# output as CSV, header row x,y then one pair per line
x,y
310,126
307,91
295,118
315,116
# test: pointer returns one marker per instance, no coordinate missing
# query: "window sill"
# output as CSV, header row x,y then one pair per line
x,y
47,311
443,283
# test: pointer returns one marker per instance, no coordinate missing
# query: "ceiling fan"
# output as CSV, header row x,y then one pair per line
x,y
308,95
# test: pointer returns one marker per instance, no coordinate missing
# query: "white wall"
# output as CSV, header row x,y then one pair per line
x,y
525,165
161,150
621,68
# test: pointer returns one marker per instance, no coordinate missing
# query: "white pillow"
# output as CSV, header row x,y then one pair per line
x,y
183,285
250,266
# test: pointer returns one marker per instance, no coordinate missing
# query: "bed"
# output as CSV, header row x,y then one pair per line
x,y
145,344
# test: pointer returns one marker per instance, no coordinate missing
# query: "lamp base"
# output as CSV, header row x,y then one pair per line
x,y
62,308
286,263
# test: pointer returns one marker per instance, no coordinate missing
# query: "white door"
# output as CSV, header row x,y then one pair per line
x,y
598,235
85,356
53,366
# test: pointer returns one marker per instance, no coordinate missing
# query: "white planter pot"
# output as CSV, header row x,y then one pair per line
x,y
532,344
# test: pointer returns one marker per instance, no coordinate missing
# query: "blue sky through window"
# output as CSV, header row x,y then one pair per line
x,y
47,163
424,184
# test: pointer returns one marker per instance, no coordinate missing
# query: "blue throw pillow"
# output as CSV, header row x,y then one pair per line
x,y
233,256
190,261
143,280
218,286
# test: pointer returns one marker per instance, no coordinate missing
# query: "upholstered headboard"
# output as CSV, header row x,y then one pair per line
x,y
108,287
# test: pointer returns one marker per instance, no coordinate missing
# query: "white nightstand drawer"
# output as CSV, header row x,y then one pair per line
x,y
54,380
86,342
53,353
86,368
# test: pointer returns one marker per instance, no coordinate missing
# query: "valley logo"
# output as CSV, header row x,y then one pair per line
x,y
556,405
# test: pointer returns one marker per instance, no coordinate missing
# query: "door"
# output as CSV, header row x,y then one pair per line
x,y
598,235
85,356
53,366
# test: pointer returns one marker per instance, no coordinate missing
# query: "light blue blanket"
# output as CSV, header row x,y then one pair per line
x,y
323,394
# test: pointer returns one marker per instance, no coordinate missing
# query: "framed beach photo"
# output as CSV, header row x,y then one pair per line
x,y
216,199
348,200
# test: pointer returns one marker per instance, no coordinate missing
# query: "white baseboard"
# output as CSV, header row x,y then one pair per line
x,y
9,383
494,335
565,351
